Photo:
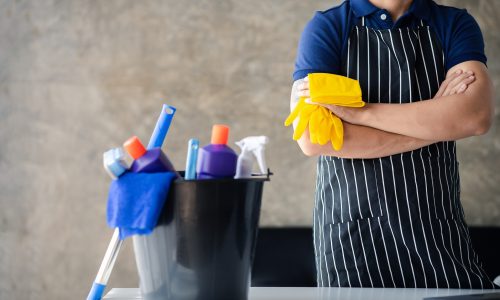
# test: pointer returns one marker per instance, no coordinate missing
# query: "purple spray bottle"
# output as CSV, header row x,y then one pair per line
x,y
217,160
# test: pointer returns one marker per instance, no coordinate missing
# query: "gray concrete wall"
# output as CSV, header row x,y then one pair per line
x,y
79,77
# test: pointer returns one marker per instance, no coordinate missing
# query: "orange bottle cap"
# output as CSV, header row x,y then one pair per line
x,y
134,147
220,134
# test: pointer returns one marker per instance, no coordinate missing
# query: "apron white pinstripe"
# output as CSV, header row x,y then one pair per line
x,y
395,221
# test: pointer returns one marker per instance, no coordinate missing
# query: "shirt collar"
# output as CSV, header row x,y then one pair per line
x,y
361,8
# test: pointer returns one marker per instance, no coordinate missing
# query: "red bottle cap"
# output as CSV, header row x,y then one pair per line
x,y
134,147
220,134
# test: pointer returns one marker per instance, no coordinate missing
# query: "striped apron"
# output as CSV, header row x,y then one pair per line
x,y
394,221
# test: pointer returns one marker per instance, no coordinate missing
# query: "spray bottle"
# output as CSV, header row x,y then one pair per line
x,y
251,146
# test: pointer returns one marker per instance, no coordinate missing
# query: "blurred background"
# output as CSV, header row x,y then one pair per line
x,y
80,77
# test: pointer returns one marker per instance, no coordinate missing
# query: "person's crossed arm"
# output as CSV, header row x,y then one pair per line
x,y
366,141
451,117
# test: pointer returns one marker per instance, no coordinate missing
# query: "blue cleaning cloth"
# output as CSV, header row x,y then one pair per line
x,y
135,201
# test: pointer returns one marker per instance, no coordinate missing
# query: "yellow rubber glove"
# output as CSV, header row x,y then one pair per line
x,y
324,126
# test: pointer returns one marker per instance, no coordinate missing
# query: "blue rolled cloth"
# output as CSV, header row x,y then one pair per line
x,y
135,201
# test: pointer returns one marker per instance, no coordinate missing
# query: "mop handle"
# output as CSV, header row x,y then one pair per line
x,y
157,138
162,126
115,166
101,280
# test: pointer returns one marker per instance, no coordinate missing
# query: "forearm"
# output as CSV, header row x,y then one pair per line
x,y
364,142
449,117
359,141
434,119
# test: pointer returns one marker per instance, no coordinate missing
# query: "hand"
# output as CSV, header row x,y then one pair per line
x,y
351,115
455,83
303,88
347,114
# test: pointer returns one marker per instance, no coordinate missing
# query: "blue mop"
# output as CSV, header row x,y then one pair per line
x,y
115,166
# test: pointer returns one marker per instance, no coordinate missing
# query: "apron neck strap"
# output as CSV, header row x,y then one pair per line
x,y
363,21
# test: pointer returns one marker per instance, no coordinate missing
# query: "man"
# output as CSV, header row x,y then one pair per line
x,y
387,205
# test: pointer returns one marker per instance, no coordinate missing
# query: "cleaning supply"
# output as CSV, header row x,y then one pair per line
x,y
162,126
217,160
251,146
146,245
191,160
135,201
115,165
146,161
114,162
323,125
107,264
202,248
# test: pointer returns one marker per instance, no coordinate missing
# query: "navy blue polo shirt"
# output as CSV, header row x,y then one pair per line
x,y
324,40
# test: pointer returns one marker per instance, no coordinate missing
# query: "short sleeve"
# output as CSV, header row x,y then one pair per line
x,y
319,48
466,41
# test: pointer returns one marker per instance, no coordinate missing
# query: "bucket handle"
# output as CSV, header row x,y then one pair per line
x,y
260,175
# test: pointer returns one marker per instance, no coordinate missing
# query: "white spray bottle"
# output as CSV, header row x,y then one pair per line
x,y
251,146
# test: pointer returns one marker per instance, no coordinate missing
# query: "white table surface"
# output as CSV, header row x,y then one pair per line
x,y
303,293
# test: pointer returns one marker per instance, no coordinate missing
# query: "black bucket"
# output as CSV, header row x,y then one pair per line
x,y
203,245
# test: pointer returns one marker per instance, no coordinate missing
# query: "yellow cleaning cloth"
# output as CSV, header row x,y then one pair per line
x,y
324,126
